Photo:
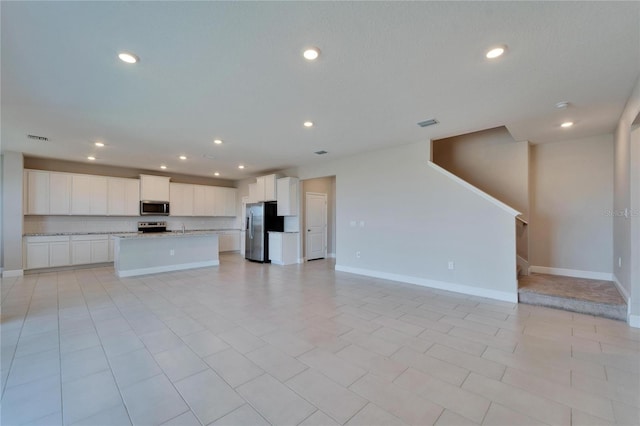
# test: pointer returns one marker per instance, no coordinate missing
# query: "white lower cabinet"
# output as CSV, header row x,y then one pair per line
x,y
89,249
283,247
46,252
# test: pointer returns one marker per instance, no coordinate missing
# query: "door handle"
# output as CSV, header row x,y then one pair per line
x,y
308,230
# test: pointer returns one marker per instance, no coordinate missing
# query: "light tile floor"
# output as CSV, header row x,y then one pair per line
x,y
251,344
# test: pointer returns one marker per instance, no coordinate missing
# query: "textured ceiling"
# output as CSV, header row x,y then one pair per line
x,y
234,71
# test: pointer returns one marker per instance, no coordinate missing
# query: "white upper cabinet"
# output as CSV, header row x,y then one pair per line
x,y
230,208
253,193
270,187
154,188
47,192
260,184
287,196
181,199
198,200
59,193
265,189
123,197
88,195
37,192
202,200
209,200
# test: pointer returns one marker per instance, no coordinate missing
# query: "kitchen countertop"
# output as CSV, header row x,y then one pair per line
x,y
57,234
170,234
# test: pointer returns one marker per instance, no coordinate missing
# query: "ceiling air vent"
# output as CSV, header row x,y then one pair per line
x,y
38,138
427,123
321,152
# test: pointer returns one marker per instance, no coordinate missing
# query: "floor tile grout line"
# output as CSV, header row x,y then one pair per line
x,y
15,351
60,349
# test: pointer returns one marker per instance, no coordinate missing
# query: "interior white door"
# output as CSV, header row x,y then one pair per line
x,y
315,225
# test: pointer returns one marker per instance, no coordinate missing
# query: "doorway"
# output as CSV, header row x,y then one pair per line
x,y
315,225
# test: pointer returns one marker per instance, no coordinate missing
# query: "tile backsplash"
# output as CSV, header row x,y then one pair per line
x,y
57,224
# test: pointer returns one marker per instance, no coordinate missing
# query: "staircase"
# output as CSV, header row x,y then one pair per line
x,y
591,297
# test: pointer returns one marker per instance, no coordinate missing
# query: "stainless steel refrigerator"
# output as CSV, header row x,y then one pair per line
x,y
260,218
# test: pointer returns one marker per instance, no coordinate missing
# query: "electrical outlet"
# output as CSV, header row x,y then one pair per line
x,y
172,252
362,224
358,254
451,265
352,224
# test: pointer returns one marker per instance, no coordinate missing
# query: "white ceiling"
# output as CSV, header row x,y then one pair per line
x,y
234,70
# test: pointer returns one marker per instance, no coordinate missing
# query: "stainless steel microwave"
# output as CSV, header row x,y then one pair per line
x,y
154,208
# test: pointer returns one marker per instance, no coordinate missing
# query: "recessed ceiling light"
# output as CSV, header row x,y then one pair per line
x,y
99,144
127,57
216,173
217,141
567,124
308,124
91,158
496,52
311,53
562,105
241,166
182,157
163,167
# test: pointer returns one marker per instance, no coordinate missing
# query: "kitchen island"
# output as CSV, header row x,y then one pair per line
x,y
150,253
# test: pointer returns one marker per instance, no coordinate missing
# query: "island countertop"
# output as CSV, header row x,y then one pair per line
x,y
170,234
57,234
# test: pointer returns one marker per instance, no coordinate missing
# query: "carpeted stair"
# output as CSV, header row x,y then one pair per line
x,y
591,297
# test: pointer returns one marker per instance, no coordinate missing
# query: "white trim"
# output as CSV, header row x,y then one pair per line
x,y
441,285
331,255
627,298
472,188
621,289
634,321
167,268
575,273
13,273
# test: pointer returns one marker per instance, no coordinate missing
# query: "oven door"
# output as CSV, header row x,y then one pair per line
x,y
154,208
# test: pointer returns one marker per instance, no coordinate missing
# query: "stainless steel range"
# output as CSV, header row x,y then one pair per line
x,y
152,226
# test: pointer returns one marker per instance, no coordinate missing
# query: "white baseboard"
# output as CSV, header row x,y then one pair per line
x,y
624,293
634,321
13,273
168,268
575,273
441,285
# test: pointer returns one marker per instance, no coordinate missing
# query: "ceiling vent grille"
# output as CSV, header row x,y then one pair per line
x,y
427,123
38,138
322,152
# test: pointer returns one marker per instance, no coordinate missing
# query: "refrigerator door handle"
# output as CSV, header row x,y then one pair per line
x,y
251,225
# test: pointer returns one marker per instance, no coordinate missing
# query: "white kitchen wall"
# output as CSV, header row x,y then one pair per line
x,y
12,213
57,224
